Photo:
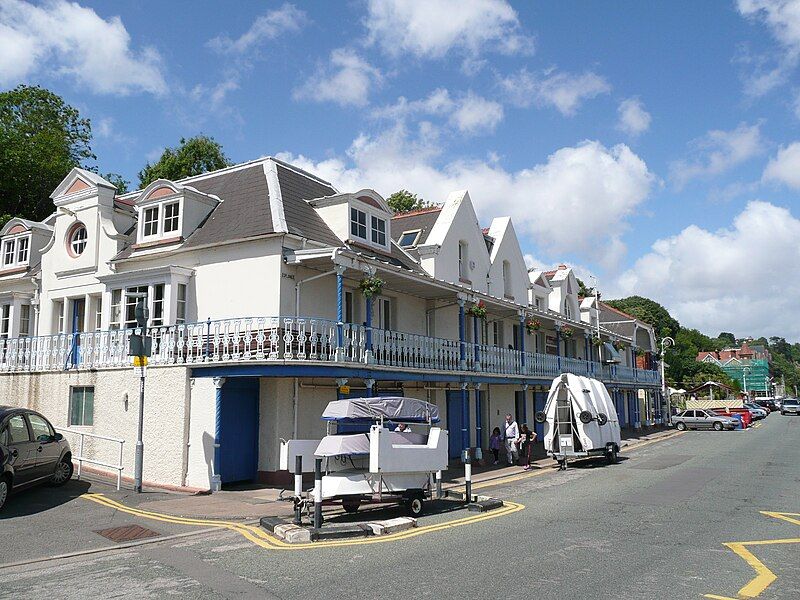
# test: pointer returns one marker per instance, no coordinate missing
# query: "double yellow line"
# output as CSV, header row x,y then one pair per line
x,y
261,538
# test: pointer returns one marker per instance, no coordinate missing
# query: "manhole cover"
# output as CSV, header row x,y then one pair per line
x,y
127,533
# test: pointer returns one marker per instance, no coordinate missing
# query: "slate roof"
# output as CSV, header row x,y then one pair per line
x,y
419,219
301,218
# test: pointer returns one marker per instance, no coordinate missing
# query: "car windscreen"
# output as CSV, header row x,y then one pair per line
x,y
711,413
791,403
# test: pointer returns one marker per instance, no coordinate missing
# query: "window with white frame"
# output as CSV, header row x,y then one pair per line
x,y
383,317
22,250
180,309
115,318
409,238
463,260
157,308
8,253
507,289
150,222
378,230
567,308
130,304
58,315
98,313
358,223
5,320
24,320
81,406
78,238
171,216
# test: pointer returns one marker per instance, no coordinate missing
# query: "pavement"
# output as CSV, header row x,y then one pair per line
x,y
681,516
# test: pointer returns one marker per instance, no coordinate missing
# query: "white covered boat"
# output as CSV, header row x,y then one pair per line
x,y
378,464
579,420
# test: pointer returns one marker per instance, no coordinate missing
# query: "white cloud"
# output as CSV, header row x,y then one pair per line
x,y
717,152
469,113
744,279
287,18
578,201
634,120
562,91
782,17
432,28
785,167
63,39
348,79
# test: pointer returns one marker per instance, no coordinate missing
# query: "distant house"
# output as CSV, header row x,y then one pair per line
x,y
749,365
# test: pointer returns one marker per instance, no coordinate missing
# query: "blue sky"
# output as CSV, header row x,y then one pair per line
x,y
650,144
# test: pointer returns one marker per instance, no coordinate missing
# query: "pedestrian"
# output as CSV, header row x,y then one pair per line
x,y
494,444
526,439
510,435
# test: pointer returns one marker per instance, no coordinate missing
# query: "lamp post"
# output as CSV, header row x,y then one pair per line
x,y
666,342
142,314
597,308
745,371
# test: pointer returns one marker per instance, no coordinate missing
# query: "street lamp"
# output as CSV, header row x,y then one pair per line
x,y
745,371
666,342
597,308
142,314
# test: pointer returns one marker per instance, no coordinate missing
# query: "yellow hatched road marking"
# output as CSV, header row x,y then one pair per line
x,y
261,538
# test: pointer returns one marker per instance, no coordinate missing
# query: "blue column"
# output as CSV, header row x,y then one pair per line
x,y
368,348
522,339
478,424
218,383
558,347
631,409
462,334
370,385
524,403
464,420
339,311
476,339
633,361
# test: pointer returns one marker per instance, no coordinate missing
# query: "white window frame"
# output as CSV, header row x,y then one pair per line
x,y
24,317
161,220
83,422
60,320
413,243
158,305
11,248
375,231
115,314
5,320
176,218
155,223
356,222
508,290
73,240
372,233
463,260
181,304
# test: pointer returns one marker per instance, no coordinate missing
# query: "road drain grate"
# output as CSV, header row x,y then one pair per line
x,y
127,533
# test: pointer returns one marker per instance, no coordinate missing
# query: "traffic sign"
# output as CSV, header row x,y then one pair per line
x,y
139,361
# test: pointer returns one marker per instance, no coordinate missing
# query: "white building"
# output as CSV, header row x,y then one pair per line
x,y
253,276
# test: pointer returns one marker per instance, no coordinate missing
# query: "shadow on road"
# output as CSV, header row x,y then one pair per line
x,y
390,511
42,498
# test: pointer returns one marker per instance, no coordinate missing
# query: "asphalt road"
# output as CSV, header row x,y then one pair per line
x,y
652,526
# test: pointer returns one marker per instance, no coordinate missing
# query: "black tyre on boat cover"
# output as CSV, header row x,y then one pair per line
x,y
540,417
602,418
585,417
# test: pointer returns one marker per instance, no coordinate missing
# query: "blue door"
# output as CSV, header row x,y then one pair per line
x,y
456,421
238,453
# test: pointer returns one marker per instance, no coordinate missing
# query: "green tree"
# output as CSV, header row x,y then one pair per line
x,y
650,312
727,339
584,290
404,201
41,139
193,156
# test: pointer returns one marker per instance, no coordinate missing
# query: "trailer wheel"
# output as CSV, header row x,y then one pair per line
x,y
611,454
681,426
602,419
415,506
351,505
585,417
540,417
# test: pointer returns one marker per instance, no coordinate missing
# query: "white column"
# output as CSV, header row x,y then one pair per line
x,y
13,317
65,315
88,313
170,301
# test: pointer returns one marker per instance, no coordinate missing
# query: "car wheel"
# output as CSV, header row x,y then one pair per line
x,y
783,413
681,426
5,488
63,472
717,426
415,506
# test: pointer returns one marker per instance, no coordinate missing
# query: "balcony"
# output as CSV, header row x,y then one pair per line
x,y
296,340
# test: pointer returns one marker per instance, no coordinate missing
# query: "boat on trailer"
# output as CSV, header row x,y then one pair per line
x,y
580,420
366,460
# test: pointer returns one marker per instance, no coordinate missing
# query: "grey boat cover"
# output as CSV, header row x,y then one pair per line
x,y
392,408
358,443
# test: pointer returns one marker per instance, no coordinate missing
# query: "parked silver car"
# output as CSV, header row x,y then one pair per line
x,y
703,419
790,406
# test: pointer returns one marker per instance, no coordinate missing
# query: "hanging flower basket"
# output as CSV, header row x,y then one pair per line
x,y
596,341
617,345
532,325
567,332
477,310
639,352
371,286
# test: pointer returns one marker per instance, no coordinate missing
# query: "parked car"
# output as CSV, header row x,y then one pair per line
x,y
31,452
743,413
790,406
768,403
756,410
703,419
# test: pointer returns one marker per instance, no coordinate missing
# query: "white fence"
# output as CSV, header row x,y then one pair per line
x,y
80,458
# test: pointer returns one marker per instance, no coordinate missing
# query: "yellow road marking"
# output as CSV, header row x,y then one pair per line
x,y
261,538
764,576
718,597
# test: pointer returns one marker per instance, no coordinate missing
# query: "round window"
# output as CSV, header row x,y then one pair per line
x,y
77,239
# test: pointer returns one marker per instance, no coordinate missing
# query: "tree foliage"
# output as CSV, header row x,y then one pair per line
x,y
404,201
584,291
41,139
650,312
193,156
726,338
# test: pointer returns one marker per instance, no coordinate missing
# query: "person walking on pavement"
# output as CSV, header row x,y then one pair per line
x,y
526,439
494,444
510,435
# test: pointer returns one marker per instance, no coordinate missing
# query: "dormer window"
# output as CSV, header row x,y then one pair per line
x,y
358,223
378,231
172,213
150,227
15,251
